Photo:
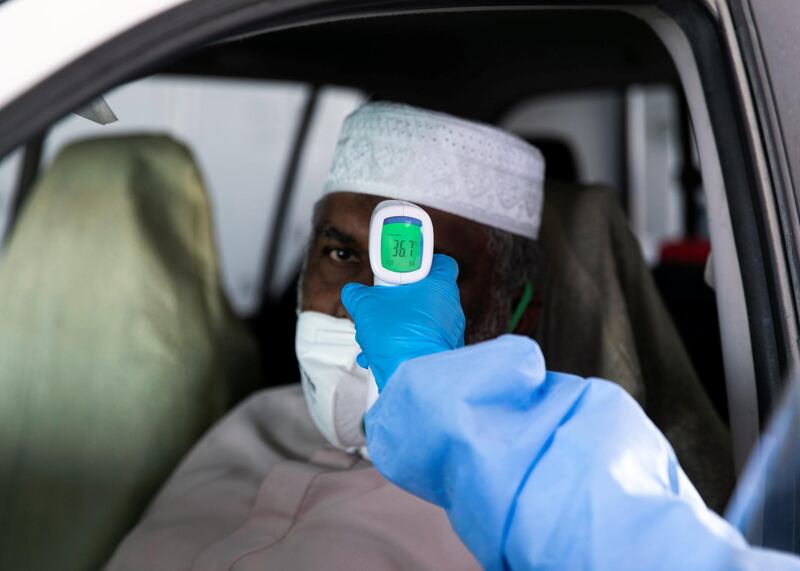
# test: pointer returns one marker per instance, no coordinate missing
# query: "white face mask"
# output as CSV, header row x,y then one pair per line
x,y
338,392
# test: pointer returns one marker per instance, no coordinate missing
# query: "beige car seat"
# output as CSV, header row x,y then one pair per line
x,y
602,316
117,347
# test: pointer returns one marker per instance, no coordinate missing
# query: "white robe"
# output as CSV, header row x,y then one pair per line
x,y
262,490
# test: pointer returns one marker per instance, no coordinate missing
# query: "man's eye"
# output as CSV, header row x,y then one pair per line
x,y
342,255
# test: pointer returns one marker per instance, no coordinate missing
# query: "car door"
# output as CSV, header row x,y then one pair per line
x,y
769,62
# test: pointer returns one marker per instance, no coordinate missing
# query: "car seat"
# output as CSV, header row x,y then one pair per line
x,y
117,347
680,279
602,316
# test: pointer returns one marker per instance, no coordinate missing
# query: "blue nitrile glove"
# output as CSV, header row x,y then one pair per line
x,y
394,324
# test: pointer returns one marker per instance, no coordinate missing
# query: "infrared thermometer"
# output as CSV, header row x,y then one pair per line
x,y
400,243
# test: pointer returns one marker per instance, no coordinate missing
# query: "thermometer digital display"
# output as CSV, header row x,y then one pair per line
x,y
400,243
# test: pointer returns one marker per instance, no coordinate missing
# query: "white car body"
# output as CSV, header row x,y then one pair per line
x,y
70,30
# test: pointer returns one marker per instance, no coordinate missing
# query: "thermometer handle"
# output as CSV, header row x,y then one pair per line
x,y
380,282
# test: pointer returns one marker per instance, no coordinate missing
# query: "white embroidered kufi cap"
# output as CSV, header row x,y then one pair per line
x,y
469,169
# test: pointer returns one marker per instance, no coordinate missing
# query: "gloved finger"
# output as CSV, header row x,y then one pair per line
x,y
444,268
362,361
351,294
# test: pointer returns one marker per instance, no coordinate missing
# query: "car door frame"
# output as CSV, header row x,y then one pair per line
x,y
769,122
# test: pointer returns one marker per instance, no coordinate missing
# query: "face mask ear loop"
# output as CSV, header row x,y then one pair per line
x,y
519,311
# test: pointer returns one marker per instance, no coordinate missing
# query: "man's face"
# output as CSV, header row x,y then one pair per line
x,y
339,254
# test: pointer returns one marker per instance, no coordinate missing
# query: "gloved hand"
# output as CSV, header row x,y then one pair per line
x,y
395,324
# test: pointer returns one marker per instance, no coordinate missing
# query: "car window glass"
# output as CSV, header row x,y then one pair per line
x,y
242,148
589,123
637,141
765,507
659,170
333,106
628,140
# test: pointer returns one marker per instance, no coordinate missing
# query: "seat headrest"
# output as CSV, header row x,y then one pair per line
x,y
117,346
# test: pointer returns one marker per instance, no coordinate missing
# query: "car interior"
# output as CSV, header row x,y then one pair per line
x,y
177,235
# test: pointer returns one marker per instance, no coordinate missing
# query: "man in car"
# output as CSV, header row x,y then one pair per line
x,y
285,481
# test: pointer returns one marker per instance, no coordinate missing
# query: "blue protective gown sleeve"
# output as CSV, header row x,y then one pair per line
x,y
546,471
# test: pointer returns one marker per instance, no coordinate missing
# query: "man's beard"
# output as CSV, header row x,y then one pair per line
x,y
489,325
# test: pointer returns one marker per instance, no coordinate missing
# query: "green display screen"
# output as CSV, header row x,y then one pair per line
x,y
401,244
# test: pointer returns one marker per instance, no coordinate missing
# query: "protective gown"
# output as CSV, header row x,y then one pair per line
x,y
542,470
535,469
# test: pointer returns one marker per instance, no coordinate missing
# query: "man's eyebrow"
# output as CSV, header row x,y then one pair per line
x,y
335,234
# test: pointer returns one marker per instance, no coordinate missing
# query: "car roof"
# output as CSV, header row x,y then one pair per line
x,y
472,63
